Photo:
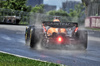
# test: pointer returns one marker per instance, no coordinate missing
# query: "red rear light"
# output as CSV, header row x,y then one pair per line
x,y
60,39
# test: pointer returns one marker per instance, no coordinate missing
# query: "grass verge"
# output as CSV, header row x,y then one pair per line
x,y
23,23
11,60
97,29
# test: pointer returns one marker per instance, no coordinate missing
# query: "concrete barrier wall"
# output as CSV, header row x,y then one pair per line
x,y
97,22
92,22
87,22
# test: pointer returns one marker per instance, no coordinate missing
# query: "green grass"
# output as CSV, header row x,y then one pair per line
x,y
23,23
11,60
98,29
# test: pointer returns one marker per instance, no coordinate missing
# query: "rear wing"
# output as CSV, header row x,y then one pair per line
x,y
59,24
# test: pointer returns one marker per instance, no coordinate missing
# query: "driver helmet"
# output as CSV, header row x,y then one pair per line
x,y
56,19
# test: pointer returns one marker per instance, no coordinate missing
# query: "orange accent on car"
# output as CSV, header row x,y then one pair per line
x,y
56,20
44,28
76,29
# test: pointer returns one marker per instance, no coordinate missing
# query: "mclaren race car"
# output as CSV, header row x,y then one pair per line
x,y
56,34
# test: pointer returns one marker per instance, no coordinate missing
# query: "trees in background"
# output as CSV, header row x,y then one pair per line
x,y
78,12
92,7
38,9
85,2
73,13
58,13
15,5
21,6
80,9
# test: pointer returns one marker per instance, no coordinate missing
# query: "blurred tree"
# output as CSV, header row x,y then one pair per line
x,y
72,13
38,9
85,2
58,13
92,7
80,8
15,4
78,12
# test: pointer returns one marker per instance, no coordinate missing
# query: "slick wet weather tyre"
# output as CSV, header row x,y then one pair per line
x,y
32,41
33,38
83,38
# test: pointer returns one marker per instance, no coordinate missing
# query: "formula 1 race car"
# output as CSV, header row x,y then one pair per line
x,y
72,35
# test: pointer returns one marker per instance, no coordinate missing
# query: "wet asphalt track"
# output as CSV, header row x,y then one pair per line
x,y
12,41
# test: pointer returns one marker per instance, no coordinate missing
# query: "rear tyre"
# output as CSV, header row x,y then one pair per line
x,y
33,38
83,38
32,45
